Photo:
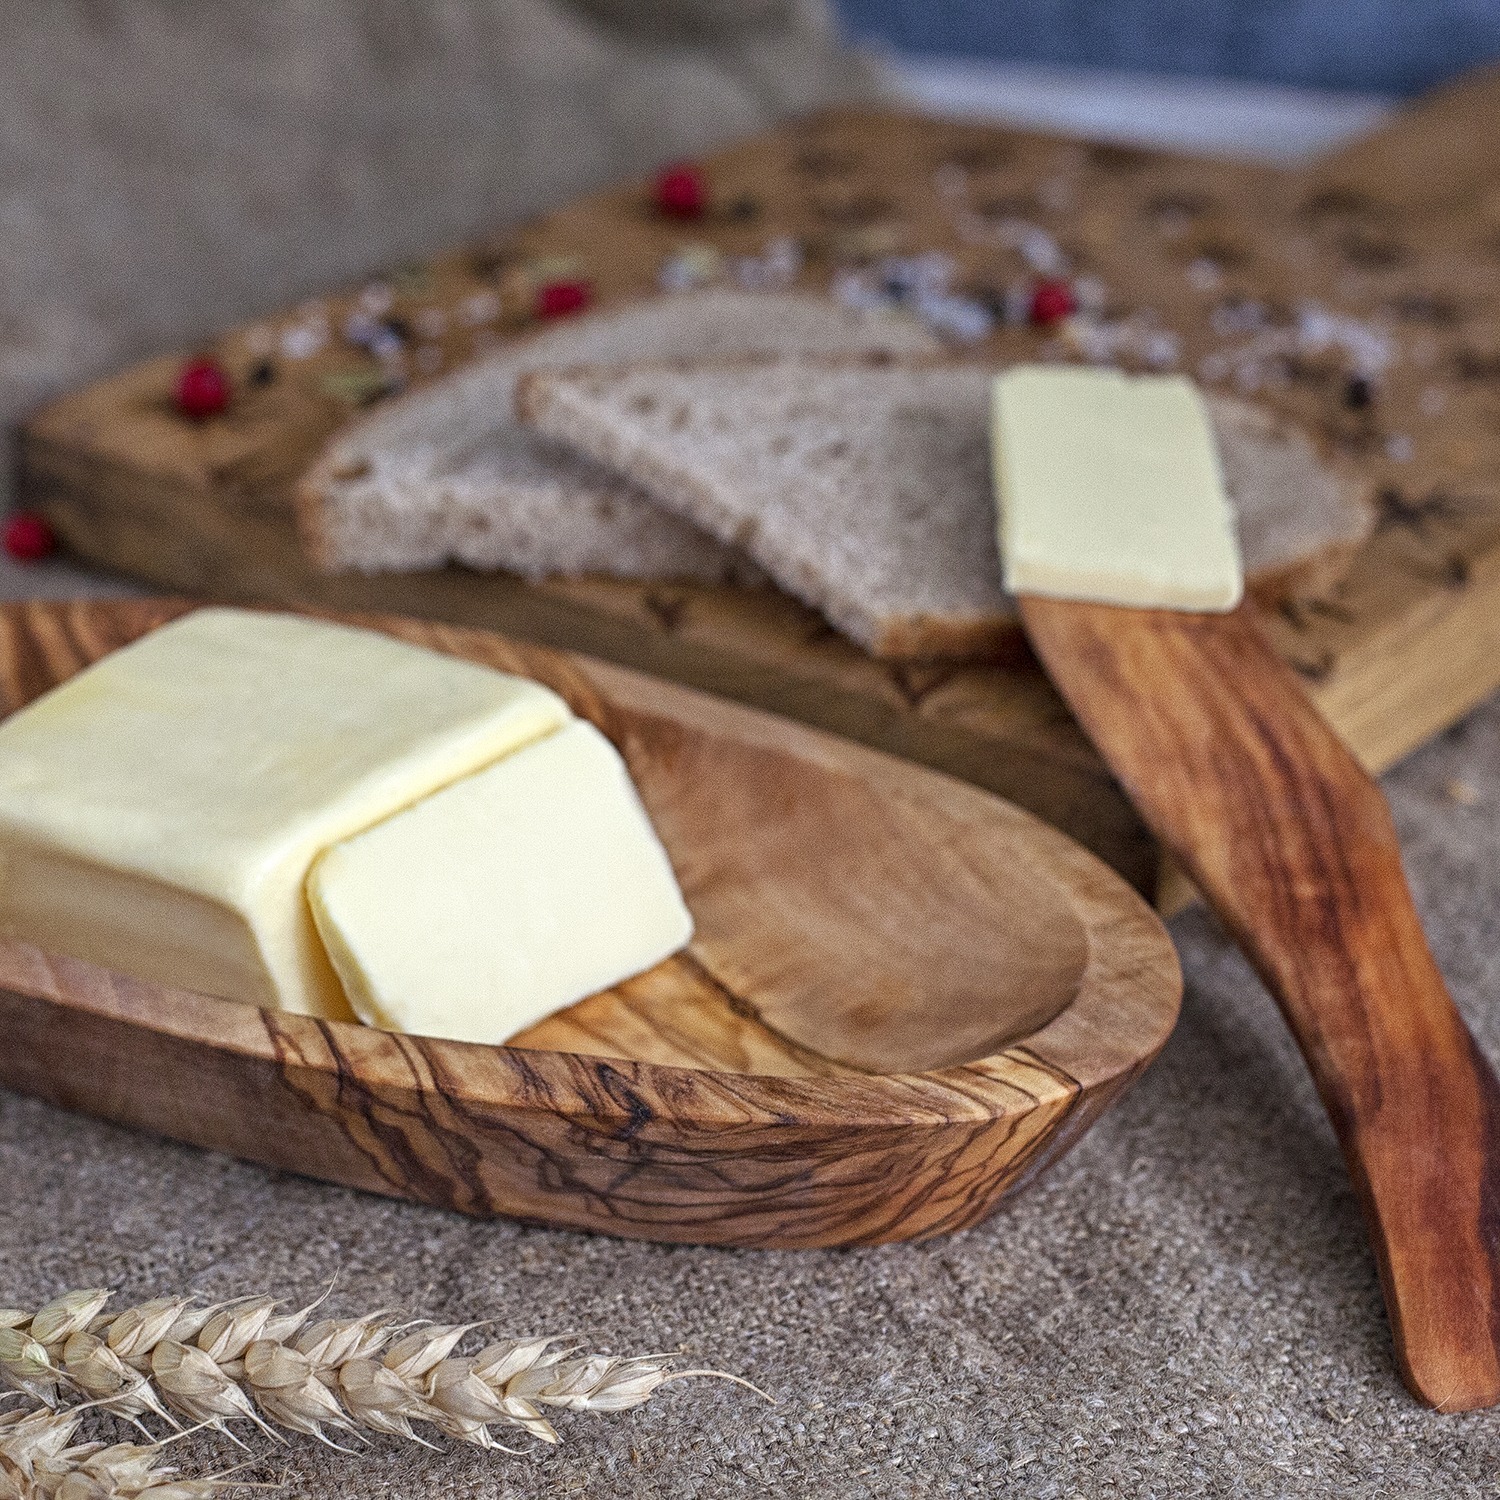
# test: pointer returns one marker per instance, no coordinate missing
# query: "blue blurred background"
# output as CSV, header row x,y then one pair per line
x,y
1378,46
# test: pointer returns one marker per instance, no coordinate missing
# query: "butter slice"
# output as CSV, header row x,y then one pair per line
x,y
159,812
502,898
1110,489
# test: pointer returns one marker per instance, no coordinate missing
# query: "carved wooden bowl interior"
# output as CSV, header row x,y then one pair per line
x,y
905,996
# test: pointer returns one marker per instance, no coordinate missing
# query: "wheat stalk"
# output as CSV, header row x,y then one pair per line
x,y
248,1361
40,1461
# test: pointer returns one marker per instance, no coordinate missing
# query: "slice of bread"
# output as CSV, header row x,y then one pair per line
x,y
446,473
863,487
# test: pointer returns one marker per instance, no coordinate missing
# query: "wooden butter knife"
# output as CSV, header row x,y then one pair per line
x,y
1292,843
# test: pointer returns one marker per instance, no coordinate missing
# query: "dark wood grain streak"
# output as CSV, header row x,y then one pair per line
x,y
904,997
1292,843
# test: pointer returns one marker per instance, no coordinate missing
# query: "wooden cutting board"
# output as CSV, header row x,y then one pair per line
x,y
1264,279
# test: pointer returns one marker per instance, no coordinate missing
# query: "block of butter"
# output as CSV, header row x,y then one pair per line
x,y
1109,489
508,894
159,812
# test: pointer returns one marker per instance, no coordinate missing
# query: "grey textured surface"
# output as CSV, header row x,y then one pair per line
x,y
1186,1306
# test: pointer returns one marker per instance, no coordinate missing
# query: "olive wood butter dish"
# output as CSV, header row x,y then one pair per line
x,y
903,997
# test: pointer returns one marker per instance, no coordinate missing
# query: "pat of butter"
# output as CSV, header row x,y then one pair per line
x,y
502,898
1109,489
159,812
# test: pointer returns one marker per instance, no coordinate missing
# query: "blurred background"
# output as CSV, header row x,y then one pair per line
x,y
1385,46
169,167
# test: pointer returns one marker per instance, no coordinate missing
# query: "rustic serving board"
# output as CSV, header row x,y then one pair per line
x,y
902,998
1285,285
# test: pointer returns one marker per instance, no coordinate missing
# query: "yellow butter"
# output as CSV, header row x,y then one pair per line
x,y
502,898
159,812
1109,489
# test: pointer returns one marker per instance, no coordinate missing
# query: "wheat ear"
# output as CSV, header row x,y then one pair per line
x,y
248,1361
40,1461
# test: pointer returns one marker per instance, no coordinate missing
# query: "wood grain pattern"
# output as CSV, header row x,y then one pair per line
x,y
904,997
1440,151
1292,844
1193,248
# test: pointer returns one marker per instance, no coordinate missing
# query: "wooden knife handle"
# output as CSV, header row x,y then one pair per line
x,y
1292,843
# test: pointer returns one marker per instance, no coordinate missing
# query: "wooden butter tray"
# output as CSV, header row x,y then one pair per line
x,y
904,998
1397,239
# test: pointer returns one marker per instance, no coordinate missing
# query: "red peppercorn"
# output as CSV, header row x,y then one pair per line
x,y
28,537
681,191
202,389
559,298
1051,302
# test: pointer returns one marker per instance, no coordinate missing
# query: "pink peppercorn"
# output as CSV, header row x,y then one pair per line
x,y
557,299
202,389
1051,302
681,191
28,537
